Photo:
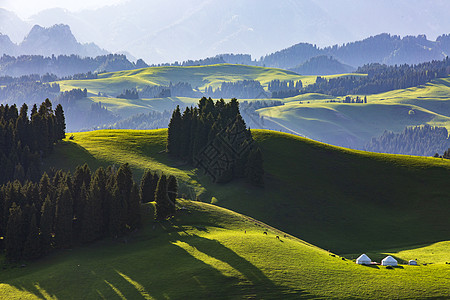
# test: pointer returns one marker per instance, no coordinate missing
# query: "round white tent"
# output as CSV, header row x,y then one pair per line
x,y
363,260
412,262
389,261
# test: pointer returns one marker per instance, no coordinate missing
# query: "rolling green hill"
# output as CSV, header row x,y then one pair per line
x,y
353,125
339,199
210,252
335,198
310,115
199,77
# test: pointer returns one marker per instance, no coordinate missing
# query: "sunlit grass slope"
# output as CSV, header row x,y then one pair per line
x,y
434,253
313,115
198,76
310,115
209,252
343,200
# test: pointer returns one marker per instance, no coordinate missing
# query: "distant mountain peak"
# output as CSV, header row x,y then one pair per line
x,y
55,40
6,45
322,65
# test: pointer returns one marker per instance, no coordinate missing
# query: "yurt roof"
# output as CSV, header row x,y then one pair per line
x,y
389,258
363,257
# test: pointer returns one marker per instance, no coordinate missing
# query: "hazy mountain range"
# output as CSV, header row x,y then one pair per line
x,y
55,40
165,31
303,58
383,48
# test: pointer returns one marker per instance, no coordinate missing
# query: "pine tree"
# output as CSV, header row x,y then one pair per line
x,y
84,217
147,192
98,193
114,224
89,218
125,184
172,191
175,133
255,170
82,176
64,219
125,180
60,123
134,208
45,187
14,234
32,249
46,225
162,199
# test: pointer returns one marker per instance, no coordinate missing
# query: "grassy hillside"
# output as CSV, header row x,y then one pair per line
x,y
210,252
339,199
198,76
313,115
201,77
310,115
434,253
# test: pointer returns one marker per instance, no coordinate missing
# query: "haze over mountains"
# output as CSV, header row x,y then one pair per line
x,y
303,58
199,28
55,40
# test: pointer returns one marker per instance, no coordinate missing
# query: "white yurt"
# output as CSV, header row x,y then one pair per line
x,y
363,259
412,262
389,261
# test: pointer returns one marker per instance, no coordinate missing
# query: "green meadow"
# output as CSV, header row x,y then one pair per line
x,y
309,115
321,201
326,204
314,116
199,77
210,252
335,198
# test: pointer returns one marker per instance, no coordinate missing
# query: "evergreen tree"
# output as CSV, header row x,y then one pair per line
x,y
82,176
162,199
64,219
14,234
46,225
84,215
114,224
45,187
98,193
32,249
172,191
125,180
255,170
175,133
89,220
60,123
147,192
134,208
125,184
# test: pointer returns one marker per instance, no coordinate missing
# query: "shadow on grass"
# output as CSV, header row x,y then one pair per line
x,y
371,266
379,255
68,155
259,283
136,271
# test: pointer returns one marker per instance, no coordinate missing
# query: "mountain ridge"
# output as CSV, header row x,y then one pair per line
x,y
383,48
55,40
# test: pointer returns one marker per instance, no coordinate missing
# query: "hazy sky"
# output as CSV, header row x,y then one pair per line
x,y
27,8
169,30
